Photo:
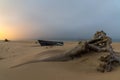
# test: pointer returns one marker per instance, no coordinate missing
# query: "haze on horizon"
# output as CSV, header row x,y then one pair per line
x,y
58,19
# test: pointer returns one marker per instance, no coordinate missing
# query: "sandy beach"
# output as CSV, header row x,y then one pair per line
x,y
23,52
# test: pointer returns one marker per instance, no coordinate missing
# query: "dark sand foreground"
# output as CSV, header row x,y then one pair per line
x,y
18,52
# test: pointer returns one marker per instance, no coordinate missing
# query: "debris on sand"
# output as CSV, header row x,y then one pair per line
x,y
100,43
50,43
6,40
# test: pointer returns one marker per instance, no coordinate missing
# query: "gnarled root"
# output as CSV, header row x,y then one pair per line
x,y
108,62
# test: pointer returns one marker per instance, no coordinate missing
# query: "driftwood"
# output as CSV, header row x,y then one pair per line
x,y
109,61
97,44
100,43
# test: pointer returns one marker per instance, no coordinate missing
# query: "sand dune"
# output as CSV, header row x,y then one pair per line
x,y
25,55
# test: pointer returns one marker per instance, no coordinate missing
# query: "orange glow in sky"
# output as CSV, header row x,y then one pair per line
x,y
13,32
6,32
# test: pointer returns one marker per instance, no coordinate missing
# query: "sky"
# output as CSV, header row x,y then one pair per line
x,y
58,19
